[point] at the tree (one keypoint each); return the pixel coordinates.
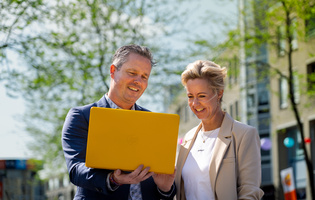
(304, 10)
(65, 50)
(278, 29)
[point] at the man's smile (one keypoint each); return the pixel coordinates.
(133, 89)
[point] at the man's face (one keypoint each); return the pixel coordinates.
(130, 81)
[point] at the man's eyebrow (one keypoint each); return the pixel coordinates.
(131, 70)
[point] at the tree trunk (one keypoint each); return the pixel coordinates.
(309, 164)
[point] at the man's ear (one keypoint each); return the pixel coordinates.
(112, 70)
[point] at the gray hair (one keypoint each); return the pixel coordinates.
(121, 55)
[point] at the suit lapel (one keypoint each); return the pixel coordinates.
(102, 103)
(221, 145)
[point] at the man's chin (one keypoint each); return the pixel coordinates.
(132, 99)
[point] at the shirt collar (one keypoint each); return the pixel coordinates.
(113, 105)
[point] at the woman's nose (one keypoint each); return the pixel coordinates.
(195, 101)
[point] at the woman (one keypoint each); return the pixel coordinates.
(220, 158)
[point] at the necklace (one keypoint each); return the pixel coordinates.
(203, 139)
(207, 134)
(201, 148)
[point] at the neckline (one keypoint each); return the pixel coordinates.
(205, 135)
(208, 133)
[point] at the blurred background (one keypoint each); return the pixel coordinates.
(55, 55)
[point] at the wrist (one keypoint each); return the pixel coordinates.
(165, 188)
(168, 193)
(113, 181)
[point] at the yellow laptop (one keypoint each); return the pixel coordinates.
(125, 139)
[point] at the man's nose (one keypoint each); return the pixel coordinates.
(137, 80)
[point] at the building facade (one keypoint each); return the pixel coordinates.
(18, 181)
(301, 48)
(60, 188)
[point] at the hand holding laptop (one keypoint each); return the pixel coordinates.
(163, 181)
(134, 177)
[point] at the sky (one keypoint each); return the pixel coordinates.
(13, 138)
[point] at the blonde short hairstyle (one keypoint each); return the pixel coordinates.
(208, 70)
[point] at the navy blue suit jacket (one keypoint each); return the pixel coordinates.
(91, 183)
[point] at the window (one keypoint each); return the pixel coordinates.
(283, 89)
(235, 68)
(295, 156)
(230, 74)
(310, 25)
(263, 96)
(296, 151)
(281, 41)
(282, 36)
(251, 100)
(296, 85)
(233, 72)
(311, 77)
(294, 41)
(65, 180)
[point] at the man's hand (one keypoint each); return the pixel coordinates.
(134, 177)
(164, 181)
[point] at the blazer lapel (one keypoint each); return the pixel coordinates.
(185, 151)
(183, 154)
(102, 103)
(221, 145)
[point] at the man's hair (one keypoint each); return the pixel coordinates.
(121, 55)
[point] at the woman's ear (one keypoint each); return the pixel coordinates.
(220, 94)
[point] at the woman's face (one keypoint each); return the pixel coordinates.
(202, 100)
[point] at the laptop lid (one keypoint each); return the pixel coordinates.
(125, 139)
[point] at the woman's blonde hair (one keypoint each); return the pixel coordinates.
(207, 70)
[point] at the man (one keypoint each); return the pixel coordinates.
(130, 71)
